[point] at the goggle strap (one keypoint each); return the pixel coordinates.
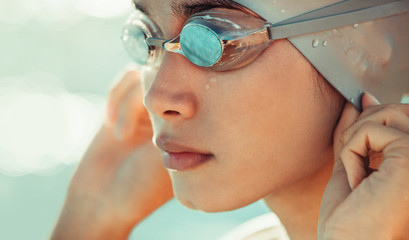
(156, 42)
(342, 7)
(300, 25)
(172, 45)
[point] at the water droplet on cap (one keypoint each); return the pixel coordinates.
(315, 43)
(356, 25)
(325, 43)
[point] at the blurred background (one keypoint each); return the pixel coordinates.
(57, 61)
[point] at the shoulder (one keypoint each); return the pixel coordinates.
(264, 227)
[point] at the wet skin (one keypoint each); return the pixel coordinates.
(266, 126)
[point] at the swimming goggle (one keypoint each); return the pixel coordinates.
(217, 39)
(226, 39)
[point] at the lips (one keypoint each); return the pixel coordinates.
(180, 157)
(184, 161)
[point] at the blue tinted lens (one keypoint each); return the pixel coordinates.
(133, 38)
(200, 45)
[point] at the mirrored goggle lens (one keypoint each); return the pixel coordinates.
(137, 28)
(201, 45)
(133, 38)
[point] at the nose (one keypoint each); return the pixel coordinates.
(171, 95)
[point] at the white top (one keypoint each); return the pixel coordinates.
(264, 227)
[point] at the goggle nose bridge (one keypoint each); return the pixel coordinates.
(172, 45)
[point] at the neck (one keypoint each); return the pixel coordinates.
(298, 205)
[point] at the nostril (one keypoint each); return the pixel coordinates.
(171, 113)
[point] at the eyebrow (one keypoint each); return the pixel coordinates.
(188, 7)
(140, 7)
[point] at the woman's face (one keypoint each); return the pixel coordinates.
(236, 136)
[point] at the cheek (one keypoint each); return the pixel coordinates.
(148, 75)
(260, 147)
(267, 128)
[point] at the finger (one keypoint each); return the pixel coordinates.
(370, 137)
(370, 104)
(397, 160)
(392, 115)
(139, 117)
(338, 188)
(120, 89)
(129, 108)
(369, 100)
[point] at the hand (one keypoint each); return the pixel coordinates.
(126, 115)
(121, 179)
(357, 204)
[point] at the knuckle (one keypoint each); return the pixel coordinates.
(372, 108)
(367, 126)
(400, 160)
(345, 136)
(393, 106)
(386, 112)
(343, 153)
(398, 171)
(392, 110)
(369, 111)
(398, 157)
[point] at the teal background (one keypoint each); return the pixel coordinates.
(57, 63)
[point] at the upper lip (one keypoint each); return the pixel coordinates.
(173, 146)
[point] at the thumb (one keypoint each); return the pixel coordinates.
(338, 187)
(348, 117)
(369, 100)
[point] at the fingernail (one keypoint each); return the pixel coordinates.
(373, 99)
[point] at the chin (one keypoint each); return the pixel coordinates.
(210, 202)
(209, 206)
